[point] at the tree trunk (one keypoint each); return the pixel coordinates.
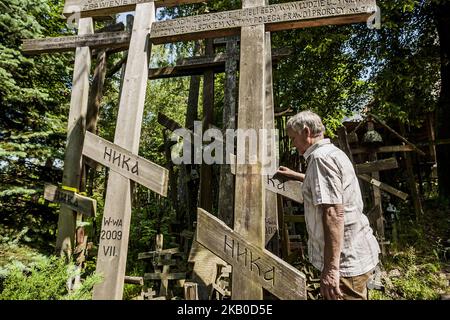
(442, 16)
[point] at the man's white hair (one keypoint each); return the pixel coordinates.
(306, 119)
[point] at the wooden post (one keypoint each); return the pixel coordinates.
(412, 180)
(112, 254)
(271, 210)
(377, 197)
(206, 194)
(190, 291)
(191, 185)
(75, 136)
(250, 193)
(226, 186)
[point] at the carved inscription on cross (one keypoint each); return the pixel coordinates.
(127, 164)
(71, 199)
(254, 263)
(276, 17)
(93, 8)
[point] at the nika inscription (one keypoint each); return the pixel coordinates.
(121, 160)
(246, 258)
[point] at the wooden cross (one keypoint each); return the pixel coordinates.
(76, 202)
(257, 265)
(162, 259)
(128, 129)
(127, 164)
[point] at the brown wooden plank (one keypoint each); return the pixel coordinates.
(290, 189)
(385, 149)
(74, 201)
(198, 65)
(134, 280)
(226, 184)
(204, 271)
(94, 8)
(383, 186)
(249, 191)
(153, 254)
(276, 17)
(163, 276)
(127, 164)
(112, 253)
(271, 207)
(190, 291)
(397, 134)
(294, 218)
(254, 263)
(120, 39)
(168, 123)
(75, 134)
(378, 165)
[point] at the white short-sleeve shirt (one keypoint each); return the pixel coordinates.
(330, 179)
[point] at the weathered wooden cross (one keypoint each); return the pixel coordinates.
(71, 199)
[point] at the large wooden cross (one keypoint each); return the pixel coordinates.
(276, 17)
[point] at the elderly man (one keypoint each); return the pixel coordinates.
(341, 243)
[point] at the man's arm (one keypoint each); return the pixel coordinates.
(291, 174)
(333, 227)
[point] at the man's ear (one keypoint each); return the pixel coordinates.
(307, 131)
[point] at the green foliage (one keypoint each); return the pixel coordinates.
(412, 276)
(34, 93)
(44, 280)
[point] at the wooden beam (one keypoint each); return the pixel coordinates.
(294, 218)
(164, 276)
(155, 254)
(93, 8)
(397, 134)
(271, 207)
(120, 39)
(198, 65)
(254, 263)
(290, 189)
(127, 164)
(75, 134)
(385, 149)
(276, 17)
(72, 200)
(112, 253)
(383, 186)
(378, 165)
(226, 184)
(134, 280)
(167, 122)
(249, 191)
